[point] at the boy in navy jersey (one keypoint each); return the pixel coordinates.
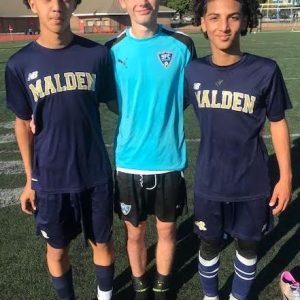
(60, 80)
(232, 94)
(150, 147)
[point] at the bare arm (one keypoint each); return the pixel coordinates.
(282, 190)
(24, 138)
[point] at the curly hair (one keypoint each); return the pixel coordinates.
(249, 10)
(28, 6)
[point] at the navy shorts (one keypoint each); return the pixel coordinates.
(61, 217)
(247, 220)
(162, 195)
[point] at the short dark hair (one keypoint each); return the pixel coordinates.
(28, 6)
(249, 10)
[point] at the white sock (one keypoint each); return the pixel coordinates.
(210, 298)
(231, 297)
(104, 295)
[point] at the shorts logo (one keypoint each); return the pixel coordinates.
(201, 225)
(264, 228)
(32, 75)
(44, 234)
(165, 58)
(125, 208)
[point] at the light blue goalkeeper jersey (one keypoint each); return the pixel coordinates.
(150, 83)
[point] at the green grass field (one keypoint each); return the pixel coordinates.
(23, 274)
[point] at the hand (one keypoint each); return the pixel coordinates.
(27, 199)
(281, 197)
(32, 125)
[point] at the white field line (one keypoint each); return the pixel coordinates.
(11, 167)
(268, 136)
(9, 196)
(8, 125)
(7, 138)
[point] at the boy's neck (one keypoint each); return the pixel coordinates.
(54, 40)
(223, 59)
(141, 31)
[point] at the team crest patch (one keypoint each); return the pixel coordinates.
(125, 208)
(201, 225)
(165, 58)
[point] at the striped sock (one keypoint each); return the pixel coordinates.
(244, 274)
(208, 271)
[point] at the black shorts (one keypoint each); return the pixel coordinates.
(162, 195)
(61, 217)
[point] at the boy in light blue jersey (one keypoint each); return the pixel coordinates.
(150, 153)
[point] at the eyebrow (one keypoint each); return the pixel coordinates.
(217, 14)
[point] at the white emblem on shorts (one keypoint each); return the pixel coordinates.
(44, 234)
(201, 225)
(125, 208)
(264, 228)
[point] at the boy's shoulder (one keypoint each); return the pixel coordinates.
(264, 61)
(21, 56)
(89, 45)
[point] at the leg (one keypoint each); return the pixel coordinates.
(136, 248)
(165, 246)
(164, 257)
(60, 272)
(244, 267)
(103, 258)
(137, 254)
(208, 267)
(209, 226)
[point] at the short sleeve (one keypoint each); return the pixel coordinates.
(277, 98)
(108, 87)
(17, 99)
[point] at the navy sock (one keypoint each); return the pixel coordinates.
(63, 286)
(244, 274)
(105, 277)
(208, 271)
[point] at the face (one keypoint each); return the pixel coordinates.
(141, 12)
(223, 23)
(54, 15)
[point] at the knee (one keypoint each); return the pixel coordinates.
(209, 249)
(103, 248)
(166, 231)
(247, 249)
(135, 234)
(57, 255)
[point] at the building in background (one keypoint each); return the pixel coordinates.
(92, 16)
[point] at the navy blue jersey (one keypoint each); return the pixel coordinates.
(232, 104)
(63, 88)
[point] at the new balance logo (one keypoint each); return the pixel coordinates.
(197, 86)
(32, 75)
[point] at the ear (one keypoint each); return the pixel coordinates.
(122, 4)
(32, 6)
(203, 24)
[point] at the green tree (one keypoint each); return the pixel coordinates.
(181, 6)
